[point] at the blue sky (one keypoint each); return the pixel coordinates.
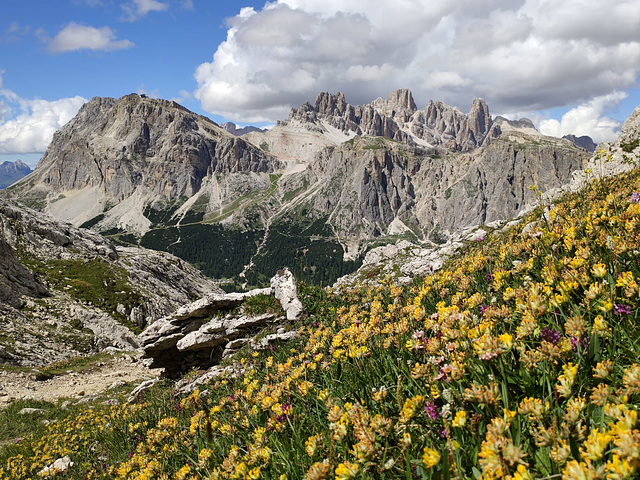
(571, 66)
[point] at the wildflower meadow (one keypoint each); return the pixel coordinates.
(518, 360)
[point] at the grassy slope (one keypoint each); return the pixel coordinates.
(517, 360)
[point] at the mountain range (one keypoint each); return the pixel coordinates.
(313, 193)
(11, 172)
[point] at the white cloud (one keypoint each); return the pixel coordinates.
(27, 126)
(82, 37)
(526, 55)
(587, 119)
(137, 9)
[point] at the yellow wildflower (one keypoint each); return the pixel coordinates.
(430, 457)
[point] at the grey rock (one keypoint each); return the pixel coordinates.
(117, 384)
(31, 411)
(162, 281)
(284, 288)
(202, 333)
(136, 393)
(274, 338)
(584, 141)
(11, 172)
(59, 466)
(154, 150)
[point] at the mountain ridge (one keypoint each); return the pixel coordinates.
(314, 193)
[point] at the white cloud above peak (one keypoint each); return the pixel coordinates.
(76, 37)
(525, 56)
(587, 119)
(27, 126)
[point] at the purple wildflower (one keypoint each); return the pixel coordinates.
(550, 335)
(635, 197)
(579, 345)
(483, 308)
(443, 432)
(621, 309)
(431, 409)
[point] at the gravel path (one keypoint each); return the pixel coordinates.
(73, 385)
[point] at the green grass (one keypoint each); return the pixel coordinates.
(630, 146)
(74, 364)
(95, 281)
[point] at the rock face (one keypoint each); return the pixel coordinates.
(199, 334)
(433, 192)
(67, 291)
(11, 172)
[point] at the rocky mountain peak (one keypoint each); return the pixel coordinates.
(154, 149)
(399, 119)
(403, 99)
(479, 119)
(330, 105)
(583, 141)
(11, 172)
(631, 128)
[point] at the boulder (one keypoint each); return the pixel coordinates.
(284, 288)
(60, 465)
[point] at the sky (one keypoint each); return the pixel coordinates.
(571, 66)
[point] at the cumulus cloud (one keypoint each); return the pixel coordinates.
(587, 119)
(137, 9)
(82, 37)
(527, 55)
(27, 126)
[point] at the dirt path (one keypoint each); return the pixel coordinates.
(23, 385)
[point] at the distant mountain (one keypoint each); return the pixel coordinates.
(11, 172)
(584, 141)
(233, 129)
(313, 193)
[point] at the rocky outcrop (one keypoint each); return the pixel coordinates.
(15, 279)
(67, 291)
(368, 186)
(11, 172)
(204, 332)
(187, 339)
